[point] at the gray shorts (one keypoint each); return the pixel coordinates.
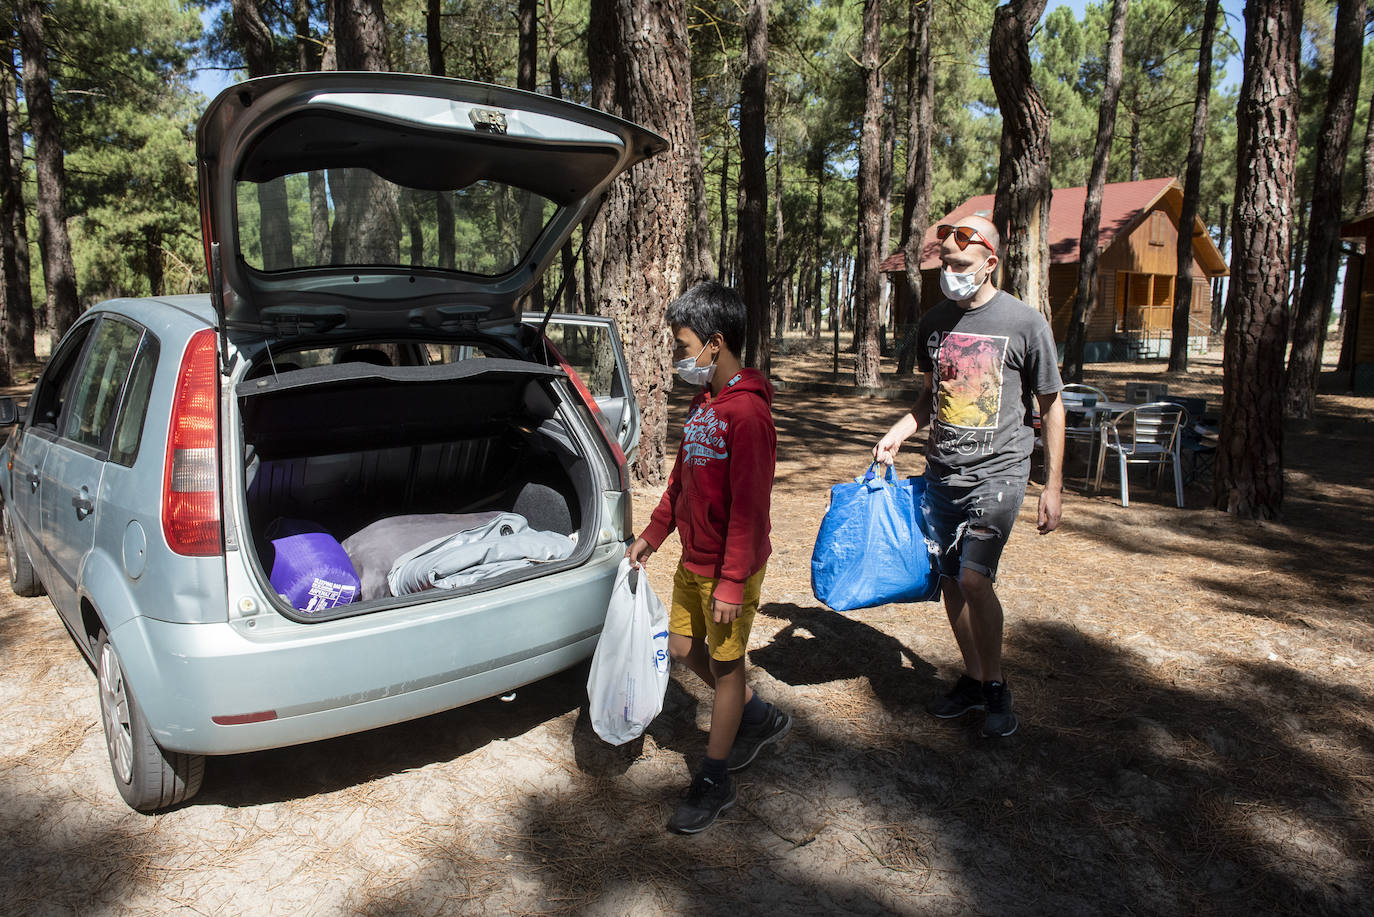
(971, 524)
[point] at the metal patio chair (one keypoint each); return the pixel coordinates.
(1145, 435)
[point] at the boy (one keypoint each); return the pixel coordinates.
(717, 498)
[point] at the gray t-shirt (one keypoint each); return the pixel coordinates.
(987, 362)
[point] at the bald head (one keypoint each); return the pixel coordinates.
(985, 229)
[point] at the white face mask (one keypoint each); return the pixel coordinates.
(960, 287)
(691, 373)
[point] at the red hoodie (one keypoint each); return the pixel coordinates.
(719, 490)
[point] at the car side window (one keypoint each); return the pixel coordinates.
(129, 427)
(51, 394)
(89, 417)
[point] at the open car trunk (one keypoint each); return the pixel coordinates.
(384, 459)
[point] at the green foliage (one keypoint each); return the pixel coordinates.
(127, 119)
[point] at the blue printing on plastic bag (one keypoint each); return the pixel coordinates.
(872, 547)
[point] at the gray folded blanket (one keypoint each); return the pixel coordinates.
(374, 548)
(498, 546)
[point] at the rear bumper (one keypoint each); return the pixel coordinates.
(355, 674)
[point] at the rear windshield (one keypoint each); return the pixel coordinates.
(352, 216)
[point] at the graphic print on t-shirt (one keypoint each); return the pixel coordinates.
(968, 379)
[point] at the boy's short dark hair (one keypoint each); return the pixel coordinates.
(710, 308)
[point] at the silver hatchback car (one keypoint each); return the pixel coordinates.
(358, 388)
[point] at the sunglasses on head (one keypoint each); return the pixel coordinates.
(963, 236)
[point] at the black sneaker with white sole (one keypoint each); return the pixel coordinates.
(753, 738)
(1000, 719)
(966, 695)
(706, 799)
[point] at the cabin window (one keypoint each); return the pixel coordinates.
(1157, 228)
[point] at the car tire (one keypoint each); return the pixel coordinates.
(23, 579)
(148, 777)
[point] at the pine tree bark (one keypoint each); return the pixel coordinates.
(1218, 301)
(1324, 221)
(274, 230)
(1085, 299)
(866, 346)
(1248, 474)
(753, 220)
(19, 318)
(916, 205)
(1192, 190)
(726, 269)
(527, 78)
(59, 271)
(818, 221)
(367, 222)
(18, 305)
(1354, 265)
(641, 70)
(1021, 211)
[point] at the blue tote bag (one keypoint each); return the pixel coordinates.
(872, 548)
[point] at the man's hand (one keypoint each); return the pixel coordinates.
(639, 552)
(723, 612)
(886, 450)
(1049, 510)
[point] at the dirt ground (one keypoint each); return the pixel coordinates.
(1196, 737)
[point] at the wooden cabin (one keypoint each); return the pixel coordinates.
(1136, 268)
(1360, 322)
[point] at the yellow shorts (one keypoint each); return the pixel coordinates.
(690, 615)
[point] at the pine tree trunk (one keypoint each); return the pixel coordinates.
(866, 346)
(818, 222)
(1354, 266)
(753, 221)
(1192, 189)
(781, 275)
(1324, 222)
(12, 301)
(1085, 299)
(59, 272)
(1021, 210)
(641, 70)
(567, 258)
(916, 208)
(19, 314)
(527, 78)
(1248, 476)
(725, 269)
(434, 39)
(1218, 301)
(368, 230)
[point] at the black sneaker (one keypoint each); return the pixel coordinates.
(966, 695)
(704, 801)
(1000, 721)
(751, 738)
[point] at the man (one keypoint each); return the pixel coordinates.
(983, 354)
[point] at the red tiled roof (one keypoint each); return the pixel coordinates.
(1122, 204)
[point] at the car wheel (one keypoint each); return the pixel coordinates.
(148, 777)
(23, 579)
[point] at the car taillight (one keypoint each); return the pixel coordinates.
(190, 482)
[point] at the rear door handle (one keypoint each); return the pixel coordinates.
(83, 504)
(33, 479)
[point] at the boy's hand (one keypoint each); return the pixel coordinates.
(723, 612)
(639, 552)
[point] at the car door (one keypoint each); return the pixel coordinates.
(36, 440)
(591, 345)
(76, 459)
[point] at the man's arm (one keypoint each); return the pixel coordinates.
(906, 425)
(1052, 439)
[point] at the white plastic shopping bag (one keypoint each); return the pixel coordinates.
(630, 668)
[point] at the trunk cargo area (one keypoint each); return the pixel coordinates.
(341, 448)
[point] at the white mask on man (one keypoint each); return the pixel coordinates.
(960, 287)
